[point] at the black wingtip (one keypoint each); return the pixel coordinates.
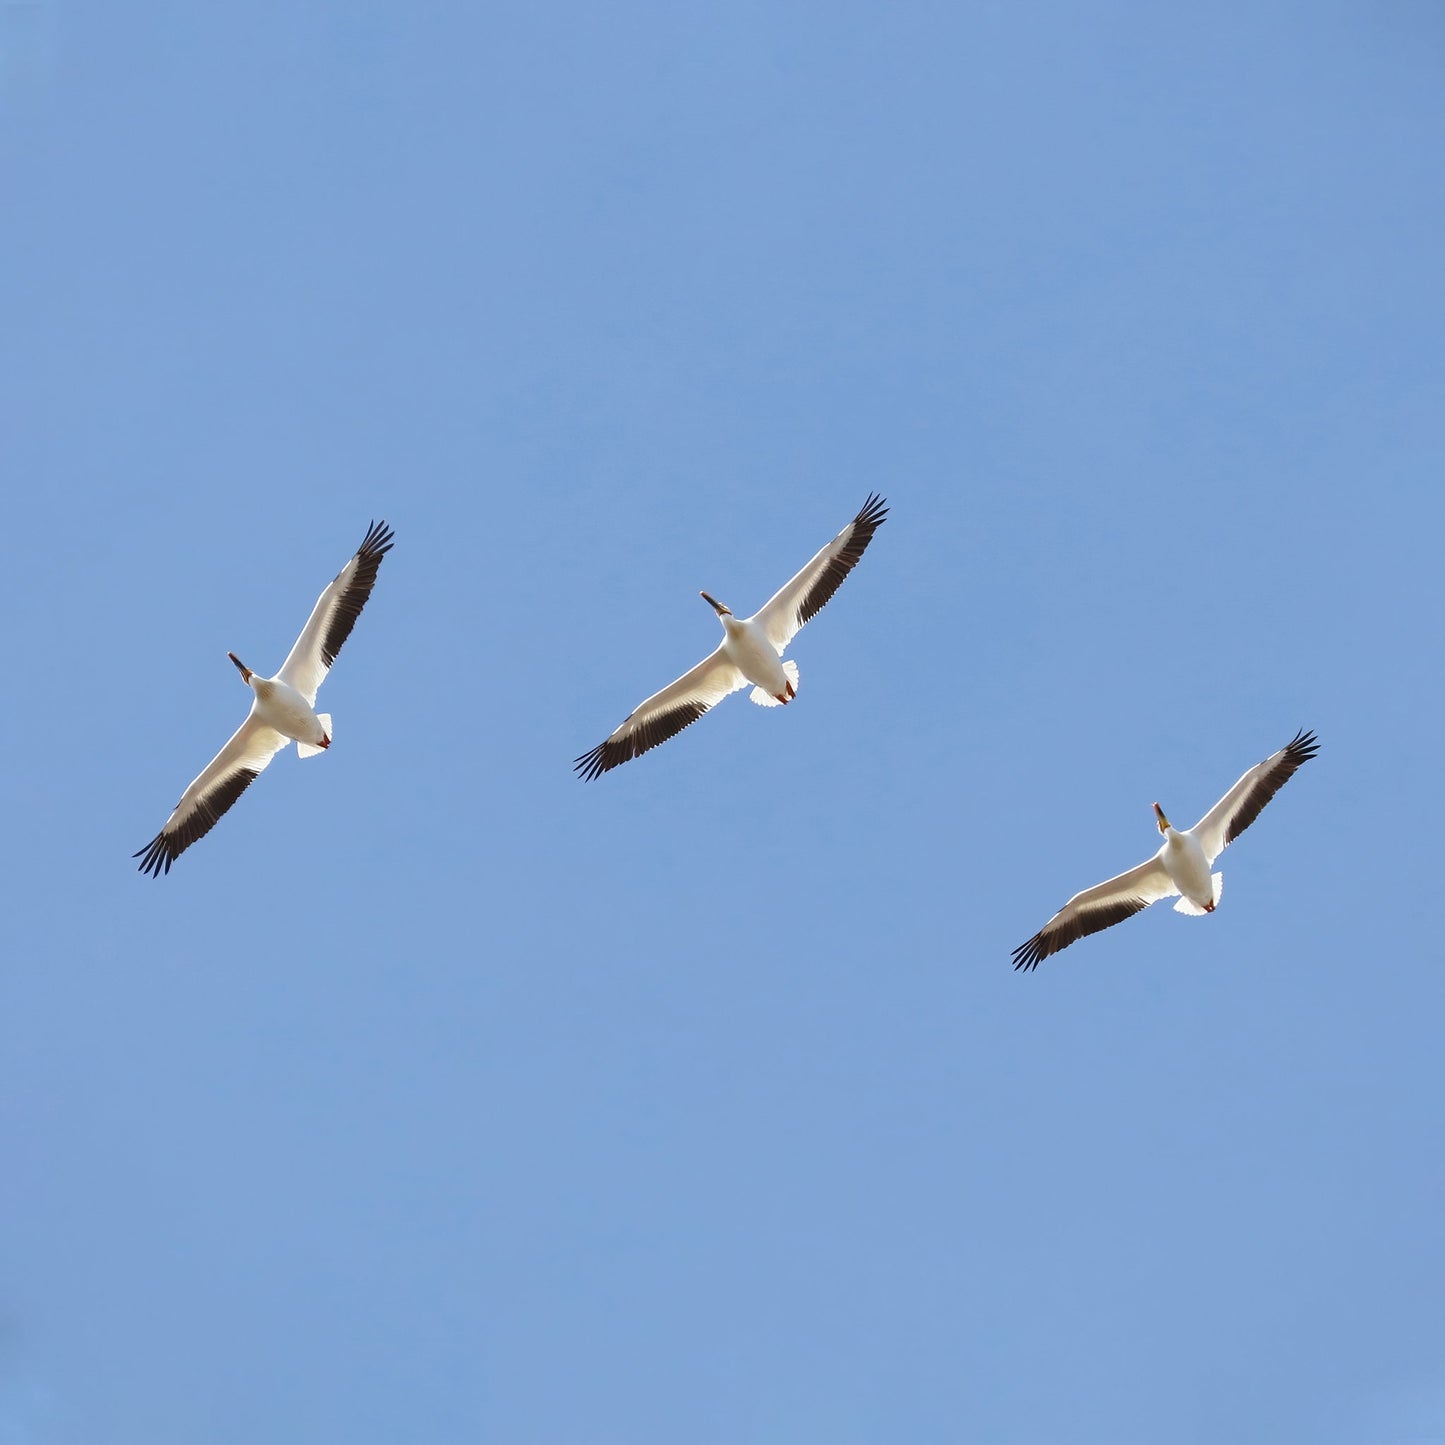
(1294, 754)
(591, 764)
(1303, 746)
(156, 857)
(374, 546)
(1058, 933)
(179, 834)
(614, 751)
(1027, 956)
(861, 529)
(378, 541)
(873, 511)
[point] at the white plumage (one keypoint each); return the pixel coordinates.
(282, 709)
(1180, 867)
(751, 651)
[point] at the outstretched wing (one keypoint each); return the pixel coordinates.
(222, 781)
(1244, 802)
(335, 615)
(664, 714)
(1097, 908)
(785, 612)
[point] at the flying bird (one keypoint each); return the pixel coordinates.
(751, 652)
(1180, 867)
(281, 709)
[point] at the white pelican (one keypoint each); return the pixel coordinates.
(281, 709)
(750, 652)
(1180, 868)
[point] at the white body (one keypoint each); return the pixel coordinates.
(1185, 862)
(277, 705)
(749, 649)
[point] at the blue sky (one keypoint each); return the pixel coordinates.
(439, 1096)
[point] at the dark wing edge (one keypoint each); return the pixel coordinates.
(347, 607)
(1056, 935)
(861, 529)
(1299, 750)
(173, 840)
(618, 750)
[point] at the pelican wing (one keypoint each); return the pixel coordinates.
(807, 594)
(1244, 802)
(335, 615)
(1097, 908)
(223, 780)
(664, 714)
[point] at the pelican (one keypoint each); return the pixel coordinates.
(751, 651)
(1180, 867)
(281, 709)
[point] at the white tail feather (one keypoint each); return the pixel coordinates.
(1193, 909)
(766, 699)
(306, 750)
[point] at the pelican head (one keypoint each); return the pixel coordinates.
(1163, 821)
(716, 605)
(245, 671)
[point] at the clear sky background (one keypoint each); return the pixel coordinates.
(438, 1096)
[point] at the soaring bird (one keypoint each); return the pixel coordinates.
(751, 651)
(281, 709)
(1180, 867)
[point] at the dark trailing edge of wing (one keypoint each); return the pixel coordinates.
(618, 750)
(869, 519)
(1054, 936)
(376, 544)
(1300, 749)
(170, 843)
